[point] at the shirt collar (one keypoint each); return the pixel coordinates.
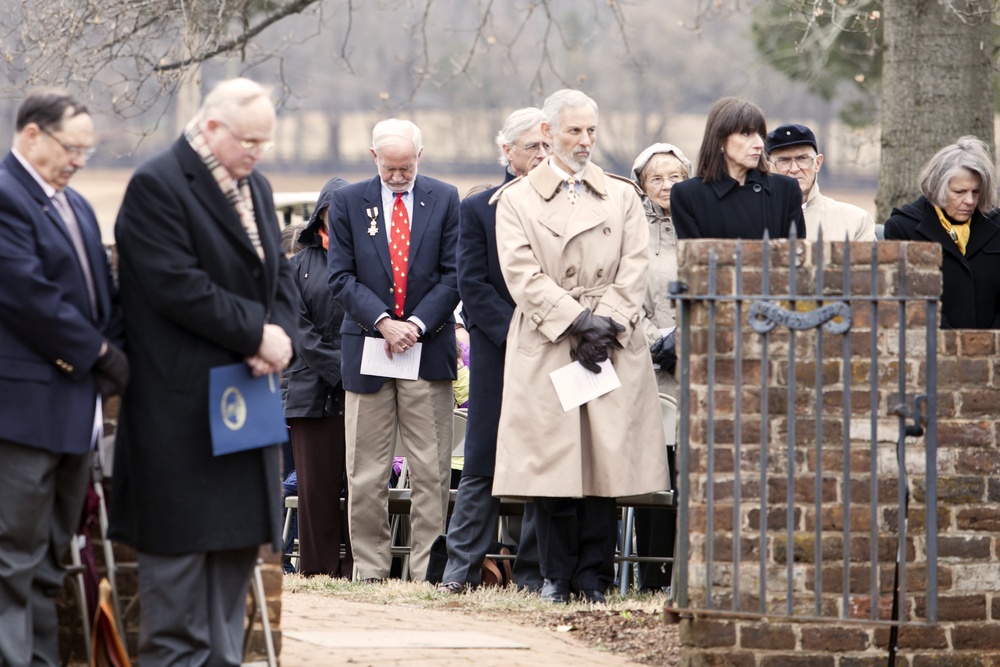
(47, 187)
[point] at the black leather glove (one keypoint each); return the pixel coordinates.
(664, 352)
(111, 371)
(596, 333)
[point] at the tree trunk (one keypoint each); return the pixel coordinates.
(937, 85)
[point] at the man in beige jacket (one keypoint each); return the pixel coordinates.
(792, 151)
(572, 242)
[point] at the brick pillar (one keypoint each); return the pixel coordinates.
(968, 464)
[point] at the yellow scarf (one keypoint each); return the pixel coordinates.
(958, 233)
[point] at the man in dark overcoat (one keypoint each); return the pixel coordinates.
(58, 332)
(487, 308)
(392, 268)
(204, 283)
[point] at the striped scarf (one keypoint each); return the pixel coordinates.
(238, 193)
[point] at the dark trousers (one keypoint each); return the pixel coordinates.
(41, 500)
(576, 540)
(320, 465)
(473, 529)
(193, 607)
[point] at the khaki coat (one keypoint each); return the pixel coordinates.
(559, 258)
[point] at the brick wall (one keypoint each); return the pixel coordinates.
(968, 466)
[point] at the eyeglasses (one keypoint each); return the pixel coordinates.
(785, 163)
(81, 151)
(657, 181)
(534, 146)
(248, 144)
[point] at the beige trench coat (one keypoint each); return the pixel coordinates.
(559, 258)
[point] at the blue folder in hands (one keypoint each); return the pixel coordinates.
(244, 411)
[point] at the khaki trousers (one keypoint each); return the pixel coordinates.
(423, 413)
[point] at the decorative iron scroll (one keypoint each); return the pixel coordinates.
(764, 316)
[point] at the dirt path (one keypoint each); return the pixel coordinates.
(322, 630)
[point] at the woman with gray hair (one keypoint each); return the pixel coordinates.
(957, 209)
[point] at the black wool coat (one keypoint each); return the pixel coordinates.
(194, 295)
(728, 210)
(970, 298)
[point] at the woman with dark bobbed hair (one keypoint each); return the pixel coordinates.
(733, 195)
(957, 209)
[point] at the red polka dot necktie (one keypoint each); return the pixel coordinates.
(399, 250)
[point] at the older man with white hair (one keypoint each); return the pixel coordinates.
(572, 241)
(204, 283)
(393, 269)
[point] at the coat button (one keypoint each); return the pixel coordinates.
(607, 231)
(570, 272)
(756, 187)
(600, 273)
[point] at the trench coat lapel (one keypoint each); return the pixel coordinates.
(559, 216)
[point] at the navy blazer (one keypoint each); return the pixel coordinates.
(361, 275)
(488, 309)
(49, 335)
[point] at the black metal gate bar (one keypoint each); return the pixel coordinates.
(679, 576)
(846, 401)
(818, 412)
(790, 434)
(930, 462)
(902, 489)
(765, 290)
(873, 445)
(737, 429)
(710, 486)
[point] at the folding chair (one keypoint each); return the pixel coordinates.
(668, 411)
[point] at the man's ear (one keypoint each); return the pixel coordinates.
(547, 130)
(819, 161)
(374, 155)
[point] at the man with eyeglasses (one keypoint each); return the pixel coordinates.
(60, 350)
(487, 308)
(791, 150)
(204, 283)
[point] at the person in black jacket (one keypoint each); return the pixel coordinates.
(957, 210)
(314, 404)
(733, 195)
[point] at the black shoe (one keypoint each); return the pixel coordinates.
(451, 587)
(555, 590)
(593, 596)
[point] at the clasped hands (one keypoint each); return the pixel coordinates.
(597, 333)
(399, 336)
(274, 353)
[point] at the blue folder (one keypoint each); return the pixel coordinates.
(244, 411)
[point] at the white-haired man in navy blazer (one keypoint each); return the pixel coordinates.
(393, 269)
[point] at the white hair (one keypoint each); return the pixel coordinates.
(518, 123)
(393, 128)
(563, 99)
(228, 98)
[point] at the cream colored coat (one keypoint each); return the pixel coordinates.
(559, 258)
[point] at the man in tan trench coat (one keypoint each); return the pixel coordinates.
(572, 242)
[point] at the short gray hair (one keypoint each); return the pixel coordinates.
(562, 99)
(393, 128)
(968, 153)
(229, 97)
(518, 123)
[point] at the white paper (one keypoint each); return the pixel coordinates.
(575, 385)
(403, 365)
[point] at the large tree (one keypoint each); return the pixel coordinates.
(937, 85)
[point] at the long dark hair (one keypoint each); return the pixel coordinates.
(728, 116)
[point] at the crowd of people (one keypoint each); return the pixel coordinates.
(560, 270)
